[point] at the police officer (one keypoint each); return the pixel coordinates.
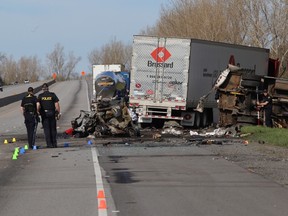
(48, 107)
(266, 103)
(29, 110)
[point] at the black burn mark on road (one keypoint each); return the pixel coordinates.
(75, 99)
(122, 175)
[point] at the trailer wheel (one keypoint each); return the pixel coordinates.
(197, 120)
(187, 116)
(204, 119)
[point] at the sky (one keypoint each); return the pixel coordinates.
(33, 27)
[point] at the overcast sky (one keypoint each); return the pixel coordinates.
(33, 27)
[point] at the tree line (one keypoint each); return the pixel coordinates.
(258, 23)
(32, 69)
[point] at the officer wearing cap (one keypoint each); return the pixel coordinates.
(29, 110)
(48, 106)
(266, 104)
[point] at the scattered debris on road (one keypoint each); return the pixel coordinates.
(110, 117)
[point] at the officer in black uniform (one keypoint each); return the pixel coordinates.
(48, 107)
(266, 103)
(28, 107)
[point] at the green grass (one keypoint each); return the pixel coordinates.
(272, 136)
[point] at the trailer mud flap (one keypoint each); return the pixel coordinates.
(188, 118)
(143, 119)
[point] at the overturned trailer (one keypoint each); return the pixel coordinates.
(278, 88)
(237, 99)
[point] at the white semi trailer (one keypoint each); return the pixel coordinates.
(170, 75)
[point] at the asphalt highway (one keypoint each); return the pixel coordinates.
(122, 176)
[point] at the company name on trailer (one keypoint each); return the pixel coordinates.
(160, 64)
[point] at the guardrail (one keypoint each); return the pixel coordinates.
(17, 97)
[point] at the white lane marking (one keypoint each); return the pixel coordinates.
(88, 102)
(99, 181)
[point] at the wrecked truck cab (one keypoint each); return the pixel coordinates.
(110, 117)
(84, 124)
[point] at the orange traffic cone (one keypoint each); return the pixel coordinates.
(101, 194)
(102, 204)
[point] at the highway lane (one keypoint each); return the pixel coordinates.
(184, 181)
(48, 181)
(72, 96)
(137, 181)
(138, 177)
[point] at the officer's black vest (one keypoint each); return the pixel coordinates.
(30, 104)
(47, 100)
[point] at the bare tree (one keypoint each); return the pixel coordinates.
(216, 20)
(71, 64)
(2, 59)
(17, 71)
(95, 57)
(276, 17)
(56, 60)
(59, 64)
(260, 23)
(258, 29)
(29, 68)
(9, 70)
(114, 52)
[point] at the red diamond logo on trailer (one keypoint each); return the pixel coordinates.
(160, 54)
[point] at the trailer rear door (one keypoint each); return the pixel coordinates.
(159, 72)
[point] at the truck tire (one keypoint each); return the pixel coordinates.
(204, 119)
(197, 121)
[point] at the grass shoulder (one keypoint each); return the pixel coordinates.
(261, 134)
